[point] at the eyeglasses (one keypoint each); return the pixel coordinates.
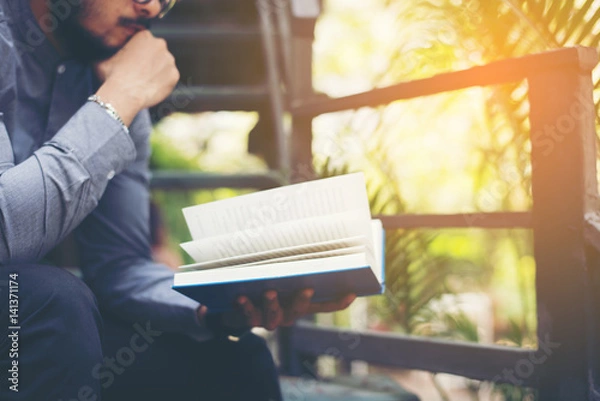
(165, 5)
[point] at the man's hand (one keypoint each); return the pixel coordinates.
(271, 315)
(140, 75)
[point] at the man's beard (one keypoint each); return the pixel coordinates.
(83, 45)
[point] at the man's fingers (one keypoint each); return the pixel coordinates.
(251, 314)
(272, 313)
(334, 306)
(299, 308)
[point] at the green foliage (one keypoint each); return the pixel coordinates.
(511, 28)
(166, 156)
(418, 271)
(515, 393)
(170, 204)
(209, 142)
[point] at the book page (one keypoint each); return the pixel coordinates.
(285, 236)
(267, 208)
(351, 250)
(309, 254)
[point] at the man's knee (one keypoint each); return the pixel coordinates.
(58, 328)
(52, 294)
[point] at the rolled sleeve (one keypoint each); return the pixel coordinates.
(45, 197)
(107, 153)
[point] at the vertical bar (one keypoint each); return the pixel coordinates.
(285, 38)
(299, 86)
(302, 167)
(288, 359)
(563, 185)
(293, 362)
(265, 12)
(301, 83)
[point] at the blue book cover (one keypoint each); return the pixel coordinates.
(317, 234)
(331, 278)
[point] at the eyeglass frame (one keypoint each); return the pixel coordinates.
(169, 4)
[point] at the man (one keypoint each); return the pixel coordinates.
(76, 78)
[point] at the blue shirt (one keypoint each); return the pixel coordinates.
(67, 166)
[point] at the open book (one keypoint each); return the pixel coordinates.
(318, 234)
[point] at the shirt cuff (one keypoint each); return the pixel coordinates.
(98, 141)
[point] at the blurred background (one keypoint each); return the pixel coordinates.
(459, 152)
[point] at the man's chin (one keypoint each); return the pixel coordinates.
(105, 51)
(93, 53)
(84, 46)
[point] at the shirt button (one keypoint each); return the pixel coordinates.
(61, 69)
(111, 174)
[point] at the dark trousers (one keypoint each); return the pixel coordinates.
(63, 349)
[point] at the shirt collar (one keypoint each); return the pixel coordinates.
(33, 38)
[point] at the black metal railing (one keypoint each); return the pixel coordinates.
(564, 221)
